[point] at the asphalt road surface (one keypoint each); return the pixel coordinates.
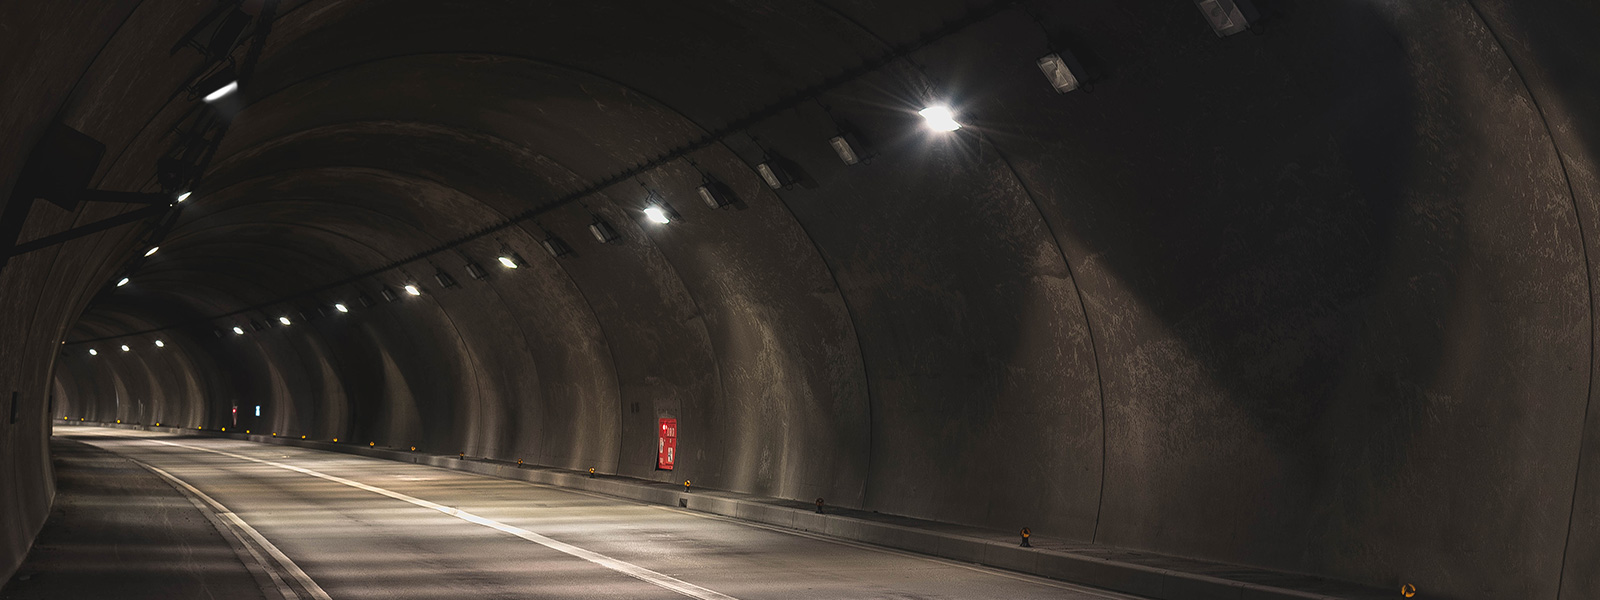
(312, 524)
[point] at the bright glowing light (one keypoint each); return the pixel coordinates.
(655, 214)
(152, 250)
(123, 282)
(284, 320)
(411, 289)
(125, 348)
(233, 86)
(341, 308)
(509, 264)
(238, 331)
(184, 196)
(160, 344)
(940, 118)
(93, 352)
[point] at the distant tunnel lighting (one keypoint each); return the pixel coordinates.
(258, 412)
(152, 250)
(388, 294)
(93, 352)
(123, 282)
(841, 146)
(476, 271)
(231, 87)
(341, 308)
(774, 174)
(125, 348)
(940, 118)
(411, 289)
(238, 330)
(555, 246)
(184, 196)
(160, 344)
(657, 215)
(284, 320)
(1060, 75)
(507, 262)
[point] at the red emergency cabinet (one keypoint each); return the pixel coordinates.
(668, 450)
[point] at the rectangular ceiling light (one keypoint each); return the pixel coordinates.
(714, 194)
(1058, 72)
(842, 147)
(555, 246)
(1227, 17)
(774, 174)
(603, 231)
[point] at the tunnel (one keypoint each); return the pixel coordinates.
(1296, 290)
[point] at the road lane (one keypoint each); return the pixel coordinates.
(368, 528)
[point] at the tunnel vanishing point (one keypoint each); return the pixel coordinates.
(1300, 287)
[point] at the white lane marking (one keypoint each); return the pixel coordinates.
(294, 570)
(626, 568)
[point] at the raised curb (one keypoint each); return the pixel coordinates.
(1118, 576)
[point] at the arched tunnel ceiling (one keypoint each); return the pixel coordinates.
(1314, 297)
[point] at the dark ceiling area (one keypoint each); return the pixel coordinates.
(1313, 297)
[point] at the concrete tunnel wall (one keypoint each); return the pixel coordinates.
(1314, 299)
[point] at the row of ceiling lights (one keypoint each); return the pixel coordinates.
(1060, 69)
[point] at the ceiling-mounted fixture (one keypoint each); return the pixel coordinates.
(940, 118)
(845, 145)
(444, 279)
(413, 290)
(184, 196)
(476, 271)
(218, 86)
(1058, 69)
(714, 194)
(238, 330)
(123, 282)
(341, 308)
(284, 320)
(555, 246)
(774, 174)
(125, 348)
(152, 250)
(366, 301)
(658, 211)
(603, 231)
(508, 262)
(257, 325)
(1228, 17)
(388, 294)
(93, 352)
(160, 344)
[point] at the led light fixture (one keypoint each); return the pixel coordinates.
(221, 92)
(365, 300)
(341, 308)
(1227, 17)
(184, 196)
(714, 194)
(476, 271)
(1058, 71)
(444, 279)
(412, 289)
(940, 118)
(555, 246)
(843, 147)
(774, 174)
(658, 211)
(160, 344)
(284, 320)
(93, 352)
(125, 348)
(603, 231)
(123, 282)
(152, 250)
(656, 215)
(508, 262)
(388, 294)
(238, 330)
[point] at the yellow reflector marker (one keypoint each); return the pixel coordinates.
(1408, 590)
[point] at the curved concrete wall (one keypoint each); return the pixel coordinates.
(1315, 298)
